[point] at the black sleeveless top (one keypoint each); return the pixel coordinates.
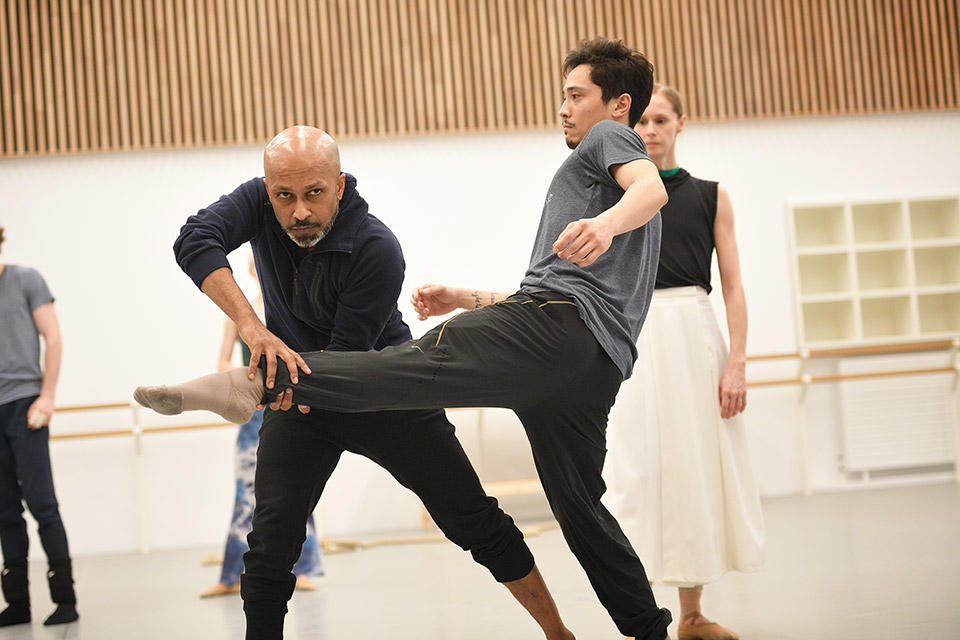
(686, 243)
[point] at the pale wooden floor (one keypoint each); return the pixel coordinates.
(877, 565)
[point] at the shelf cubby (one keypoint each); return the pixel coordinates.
(886, 317)
(878, 222)
(937, 265)
(824, 273)
(939, 312)
(935, 218)
(882, 269)
(829, 321)
(820, 226)
(877, 270)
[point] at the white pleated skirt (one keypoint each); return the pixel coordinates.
(679, 477)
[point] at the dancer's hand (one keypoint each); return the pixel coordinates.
(264, 343)
(434, 300)
(585, 240)
(40, 412)
(733, 391)
(284, 401)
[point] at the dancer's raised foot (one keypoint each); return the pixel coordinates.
(230, 394)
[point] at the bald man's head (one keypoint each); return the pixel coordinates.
(298, 146)
(301, 168)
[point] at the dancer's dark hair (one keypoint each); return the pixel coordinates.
(616, 69)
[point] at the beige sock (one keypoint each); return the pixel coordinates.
(230, 394)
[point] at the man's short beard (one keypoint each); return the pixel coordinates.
(309, 243)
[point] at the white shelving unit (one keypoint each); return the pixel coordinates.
(869, 272)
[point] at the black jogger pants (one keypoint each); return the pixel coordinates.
(533, 354)
(298, 453)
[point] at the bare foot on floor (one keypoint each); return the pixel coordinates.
(304, 583)
(221, 590)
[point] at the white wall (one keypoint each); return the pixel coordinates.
(465, 207)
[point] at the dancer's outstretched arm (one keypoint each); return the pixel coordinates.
(438, 299)
(585, 240)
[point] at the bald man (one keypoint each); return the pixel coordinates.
(331, 274)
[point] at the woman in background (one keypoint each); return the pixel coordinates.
(248, 437)
(678, 472)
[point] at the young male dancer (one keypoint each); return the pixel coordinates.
(555, 352)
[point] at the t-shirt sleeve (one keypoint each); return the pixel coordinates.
(608, 144)
(35, 289)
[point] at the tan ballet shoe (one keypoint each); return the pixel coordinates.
(221, 590)
(304, 583)
(706, 631)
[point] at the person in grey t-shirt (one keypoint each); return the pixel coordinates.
(26, 406)
(555, 352)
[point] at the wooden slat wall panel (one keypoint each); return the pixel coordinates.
(110, 75)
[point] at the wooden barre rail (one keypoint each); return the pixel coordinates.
(130, 432)
(92, 407)
(851, 376)
(900, 347)
(774, 356)
(759, 383)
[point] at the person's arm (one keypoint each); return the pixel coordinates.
(733, 386)
(585, 240)
(45, 319)
(226, 345)
(201, 251)
(224, 291)
(437, 299)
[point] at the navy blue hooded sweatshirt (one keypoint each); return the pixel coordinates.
(342, 296)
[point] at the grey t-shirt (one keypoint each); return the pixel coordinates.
(613, 294)
(22, 290)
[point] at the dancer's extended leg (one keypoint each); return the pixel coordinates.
(451, 491)
(504, 355)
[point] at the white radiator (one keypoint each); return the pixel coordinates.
(896, 422)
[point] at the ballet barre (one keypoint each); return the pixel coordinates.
(805, 380)
(865, 350)
(849, 376)
(531, 486)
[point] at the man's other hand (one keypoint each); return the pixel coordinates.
(434, 300)
(284, 401)
(40, 412)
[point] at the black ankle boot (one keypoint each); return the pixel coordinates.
(60, 579)
(265, 620)
(17, 592)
